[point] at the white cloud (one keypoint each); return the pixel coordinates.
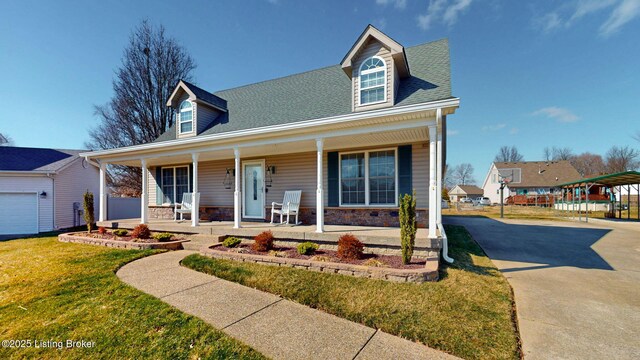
(494, 127)
(558, 113)
(381, 23)
(452, 132)
(626, 11)
(586, 7)
(445, 11)
(514, 131)
(549, 22)
(398, 4)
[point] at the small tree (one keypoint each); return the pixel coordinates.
(89, 218)
(408, 226)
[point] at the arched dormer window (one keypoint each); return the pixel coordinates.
(373, 81)
(186, 117)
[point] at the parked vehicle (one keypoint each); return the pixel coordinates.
(466, 200)
(482, 201)
(445, 204)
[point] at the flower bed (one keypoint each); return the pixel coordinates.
(108, 239)
(388, 267)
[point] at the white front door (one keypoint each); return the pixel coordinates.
(253, 189)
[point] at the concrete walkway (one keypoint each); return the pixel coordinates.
(576, 285)
(276, 327)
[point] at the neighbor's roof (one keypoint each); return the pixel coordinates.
(541, 173)
(35, 159)
(325, 92)
(470, 189)
(615, 179)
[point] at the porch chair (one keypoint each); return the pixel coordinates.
(289, 206)
(184, 207)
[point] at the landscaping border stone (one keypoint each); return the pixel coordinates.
(428, 273)
(74, 238)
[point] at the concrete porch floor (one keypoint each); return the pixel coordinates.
(369, 235)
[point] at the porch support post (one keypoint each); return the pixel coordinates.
(195, 210)
(439, 169)
(102, 213)
(237, 195)
(144, 201)
(319, 190)
(433, 186)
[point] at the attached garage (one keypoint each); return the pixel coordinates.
(18, 213)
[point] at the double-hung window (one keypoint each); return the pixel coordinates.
(373, 81)
(175, 182)
(186, 117)
(368, 178)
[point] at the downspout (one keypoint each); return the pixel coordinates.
(443, 234)
(445, 245)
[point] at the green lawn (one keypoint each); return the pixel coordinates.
(467, 313)
(52, 291)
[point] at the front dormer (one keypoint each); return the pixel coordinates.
(376, 64)
(195, 109)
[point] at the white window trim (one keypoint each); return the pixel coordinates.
(365, 72)
(175, 187)
(180, 122)
(367, 203)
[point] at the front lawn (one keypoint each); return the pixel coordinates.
(467, 313)
(52, 291)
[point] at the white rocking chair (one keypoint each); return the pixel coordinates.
(185, 206)
(289, 206)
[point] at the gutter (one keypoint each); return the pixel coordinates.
(445, 244)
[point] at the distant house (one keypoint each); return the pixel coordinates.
(527, 178)
(460, 191)
(39, 187)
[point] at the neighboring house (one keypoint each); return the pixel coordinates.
(39, 187)
(460, 191)
(527, 178)
(353, 137)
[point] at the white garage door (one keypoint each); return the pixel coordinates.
(18, 213)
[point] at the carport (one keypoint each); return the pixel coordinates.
(586, 194)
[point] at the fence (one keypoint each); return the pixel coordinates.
(123, 208)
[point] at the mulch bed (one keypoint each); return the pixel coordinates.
(109, 236)
(390, 261)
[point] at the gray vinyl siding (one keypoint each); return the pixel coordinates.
(70, 186)
(210, 183)
(373, 48)
(151, 188)
(420, 174)
(206, 116)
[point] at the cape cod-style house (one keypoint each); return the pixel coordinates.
(352, 137)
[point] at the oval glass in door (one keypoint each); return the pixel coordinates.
(253, 191)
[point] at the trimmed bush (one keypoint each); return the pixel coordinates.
(231, 242)
(102, 230)
(349, 247)
(89, 218)
(141, 232)
(307, 248)
(263, 241)
(120, 232)
(162, 236)
(408, 226)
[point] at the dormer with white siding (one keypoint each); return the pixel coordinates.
(376, 64)
(195, 109)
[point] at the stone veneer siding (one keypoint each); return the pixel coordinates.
(387, 217)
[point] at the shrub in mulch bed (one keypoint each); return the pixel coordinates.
(141, 232)
(125, 235)
(231, 242)
(349, 247)
(263, 242)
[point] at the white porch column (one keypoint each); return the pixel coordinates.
(102, 213)
(195, 210)
(237, 194)
(433, 186)
(439, 165)
(319, 190)
(144, 201)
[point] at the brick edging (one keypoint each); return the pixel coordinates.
(169, 245)
(428, 273)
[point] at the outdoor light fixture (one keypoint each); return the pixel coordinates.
(227, 178)
(43, 194)
(270, 171)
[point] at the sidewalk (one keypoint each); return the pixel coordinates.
(278, 328)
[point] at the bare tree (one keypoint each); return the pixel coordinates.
(463, 174)
(547, 154)
(152, 65)
(588, 164)
(622, 158)
(558, 153)
(6, 140)
(508, 154)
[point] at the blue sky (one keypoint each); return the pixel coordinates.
(530, 74)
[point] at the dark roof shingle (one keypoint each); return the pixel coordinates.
(541, 173)
(29, 159)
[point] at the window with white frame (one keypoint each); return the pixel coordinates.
(368, 178)
(186, 117)
(373, 81)
(175, 182)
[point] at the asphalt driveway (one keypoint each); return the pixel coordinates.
(576, 286)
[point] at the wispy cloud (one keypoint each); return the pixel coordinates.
(453, 132)
(494, 127)
(398, 4)
(557, 113)
(514, 131)
(445, 11)
(626, 11)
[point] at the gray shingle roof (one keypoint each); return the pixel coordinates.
(206, 96)
(541, 173)
(325, 92)
(35, 159)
